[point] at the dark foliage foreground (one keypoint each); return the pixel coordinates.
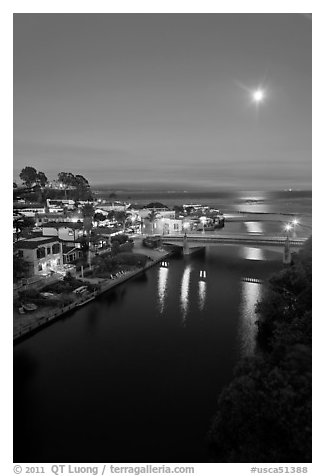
(264, 415)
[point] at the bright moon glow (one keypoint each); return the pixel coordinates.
(258, 95)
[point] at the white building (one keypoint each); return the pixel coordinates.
(162, 226)
(44, 255)
(65, 231)
(56, 205)
(29, 210)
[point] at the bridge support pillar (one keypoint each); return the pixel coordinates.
(286, 252)
(186, 248)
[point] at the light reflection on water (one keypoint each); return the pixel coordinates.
(250, 294)
(162, 287)
(185, 287)
(254, 227)
(256, 254)
(202, 294)
(254, 203)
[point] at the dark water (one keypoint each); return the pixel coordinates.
(135, 376)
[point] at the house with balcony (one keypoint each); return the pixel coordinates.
(43, 255)
(71, 254)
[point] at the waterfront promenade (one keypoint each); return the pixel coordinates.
(29, 323)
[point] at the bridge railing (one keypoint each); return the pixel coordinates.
(235, 239)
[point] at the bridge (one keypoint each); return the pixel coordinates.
(192, 241)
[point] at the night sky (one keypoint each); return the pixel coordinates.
(142, 98)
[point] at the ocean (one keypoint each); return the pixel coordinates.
(298, 203)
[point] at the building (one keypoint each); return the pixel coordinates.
(162, 226)
(161, 212)
(55, 205)
(68, 232)
(28, 209)
(43, 255)
(115, 206)
(44, 218)
(71, 254)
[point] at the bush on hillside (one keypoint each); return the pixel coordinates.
(264, 415)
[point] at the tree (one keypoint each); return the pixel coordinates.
(23, 225)
(84, 245)
(104, 264)
(83, 188)
(28, 175)
(41, 179)
(20, 267)
(115, 248)
(79, 183)
(289, 296)
(67, 179)
(111, 215)
(120, 239)
(99, 217)
(264, 415)
(155, 205)
(15, 185)
(152, 217)
(121, 218)
(178, 209)
(88, 214)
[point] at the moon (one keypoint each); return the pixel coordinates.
(258, 96)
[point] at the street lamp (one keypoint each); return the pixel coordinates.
(288, 228)
(295, 222)
(203, 220)
(186, 226)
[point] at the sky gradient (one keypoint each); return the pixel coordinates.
(134, 98)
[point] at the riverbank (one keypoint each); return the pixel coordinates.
(27, 324)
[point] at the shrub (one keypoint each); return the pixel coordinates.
(29, 294)
(65, 286)
(120, 239)
(128, 246)
(132, 259)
